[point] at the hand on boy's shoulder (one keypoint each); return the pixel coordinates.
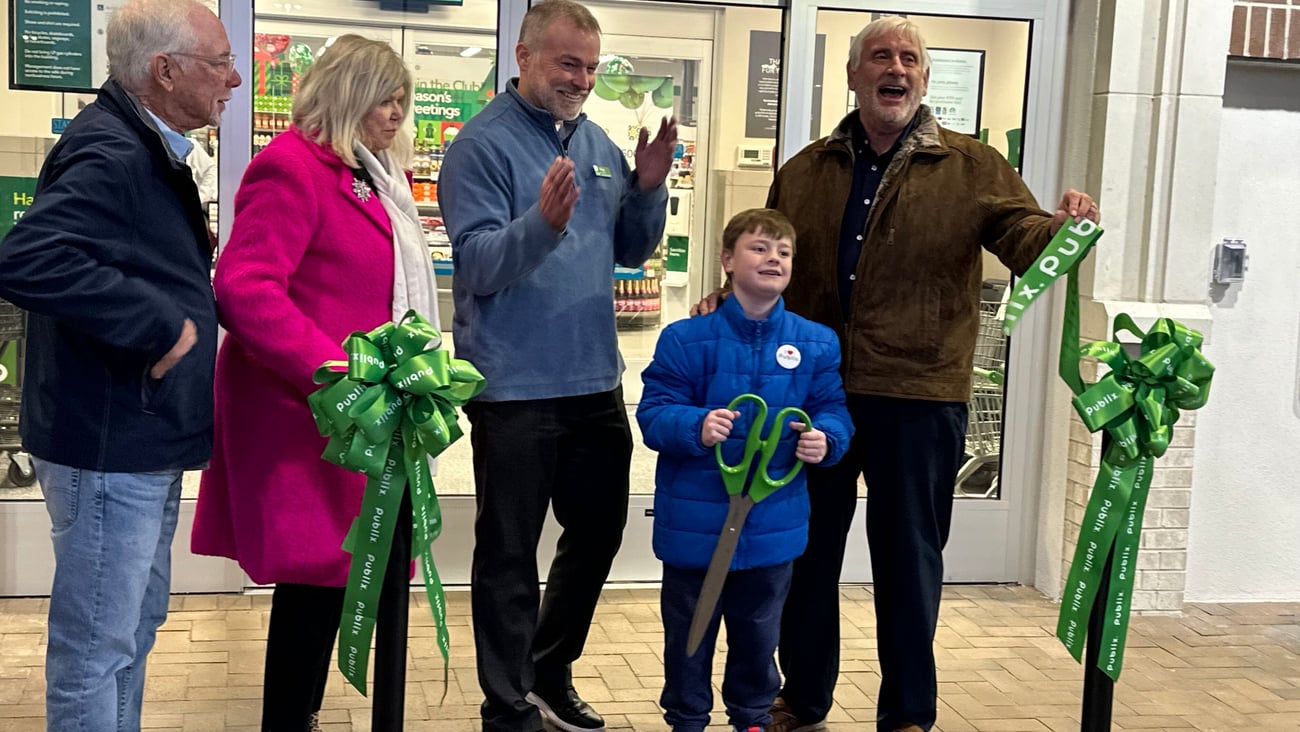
(709, 302)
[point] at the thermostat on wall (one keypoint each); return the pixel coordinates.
(751, 156)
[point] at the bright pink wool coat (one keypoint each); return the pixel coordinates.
(308, 263)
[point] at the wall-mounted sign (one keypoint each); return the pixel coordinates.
(956, 88)
(15, 198)
(763, 96)
(679, 248)
(414, 6)
(58, 45)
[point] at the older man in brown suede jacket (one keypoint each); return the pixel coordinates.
(892, 212)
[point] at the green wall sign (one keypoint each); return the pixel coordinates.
(679, 248)
(15, 198)
(57, 45)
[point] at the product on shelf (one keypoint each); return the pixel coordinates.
(428, 159)
(636, 296)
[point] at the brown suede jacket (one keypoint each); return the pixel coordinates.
(915, 302)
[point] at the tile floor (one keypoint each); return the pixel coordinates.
(1216, 667)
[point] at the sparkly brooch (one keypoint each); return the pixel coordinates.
(361, 189)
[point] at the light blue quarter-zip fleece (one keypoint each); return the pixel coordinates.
(535, 308)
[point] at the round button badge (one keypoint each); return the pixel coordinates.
(788, 356)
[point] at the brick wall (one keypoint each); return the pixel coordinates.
(1162, 559)
(1266, 29)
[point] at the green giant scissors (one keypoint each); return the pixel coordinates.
(736, 479)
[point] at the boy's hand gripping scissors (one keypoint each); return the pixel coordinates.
(736, 479)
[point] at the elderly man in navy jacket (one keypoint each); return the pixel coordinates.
(112, 264)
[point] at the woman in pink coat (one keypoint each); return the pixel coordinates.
(326, 241)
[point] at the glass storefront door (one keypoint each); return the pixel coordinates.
(28, 129)
(984, 82)
(451, 51)
(692, 47)
(750, 85)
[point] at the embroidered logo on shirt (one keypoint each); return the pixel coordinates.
(788, 356)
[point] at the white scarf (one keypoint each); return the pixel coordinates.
(414, 287)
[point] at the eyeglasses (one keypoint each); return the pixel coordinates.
(225, 62)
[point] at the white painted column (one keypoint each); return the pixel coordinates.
(1145, 91)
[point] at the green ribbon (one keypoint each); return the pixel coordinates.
(1138, 403)
(1061, 255)
(386, 410)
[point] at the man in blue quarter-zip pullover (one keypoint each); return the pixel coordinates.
(540, 205)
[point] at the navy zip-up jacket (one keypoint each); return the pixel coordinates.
(109, 261)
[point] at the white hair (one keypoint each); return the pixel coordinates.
(142, 29)
(886, 26)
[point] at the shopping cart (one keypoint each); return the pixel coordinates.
(978, 476)
(12, 330)
(990, 344)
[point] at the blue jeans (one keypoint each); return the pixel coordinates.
(751, 605)
(112, 536)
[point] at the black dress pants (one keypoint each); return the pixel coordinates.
(909, 451)
(571, 454)
(300, 644)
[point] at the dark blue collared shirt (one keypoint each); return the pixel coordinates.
(868, 170)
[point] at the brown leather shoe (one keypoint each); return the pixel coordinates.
(783, 720)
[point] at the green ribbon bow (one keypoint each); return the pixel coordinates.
(387, 409)
(1138, 403)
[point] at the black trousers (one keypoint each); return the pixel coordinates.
(572, 454)
(909, 451)
(300, 644)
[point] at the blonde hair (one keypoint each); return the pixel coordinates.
(540, 16)
(352, 77)
(767, 221)
(142, 29)
(888, 25)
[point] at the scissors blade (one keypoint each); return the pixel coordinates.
(716, 576)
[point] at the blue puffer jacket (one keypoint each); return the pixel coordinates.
(701, 364)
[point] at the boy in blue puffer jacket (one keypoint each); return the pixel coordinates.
(749, 345)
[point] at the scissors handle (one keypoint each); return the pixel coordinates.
(734, 477)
